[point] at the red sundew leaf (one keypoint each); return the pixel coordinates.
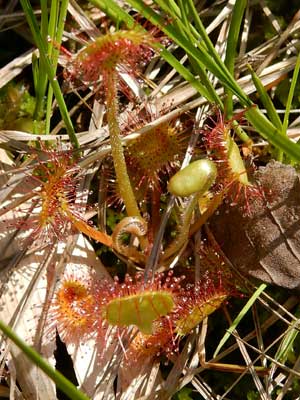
(121, 49)
(136, 302)
(96, 357)
(265, 245)
(197, 314)
(74, 307)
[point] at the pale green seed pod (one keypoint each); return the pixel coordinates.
(197, 177)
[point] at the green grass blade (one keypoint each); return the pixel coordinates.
(286, 346)
(269, 106)
(266, 100)
(232, 40)
(35, 70)
(189, 77)
(31, 19)
(118, 14)
(273, 135)
(211, 60)
(170, 8)
(44, 18)
(291, 95)
(115, 12)
(204, 58)
(197, 69)
(41, 81)
(58, 13)
(51, 35)
(240, 316)
(184, 13)
(61, 382)
(230, 45)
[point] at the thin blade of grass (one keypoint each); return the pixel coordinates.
(269, 106)
(240, 316)
(206, 90)
(55, 31)
(64, 384)
(210, 59)
(232, 40)
(269, 132)
(266, 100)
(286, 345)
(291, 95)
(115, 12)
(202, 56)
(186, 14)
(32, 22)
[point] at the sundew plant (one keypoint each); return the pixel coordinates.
(150, 199)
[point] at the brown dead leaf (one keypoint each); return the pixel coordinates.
(267, 244)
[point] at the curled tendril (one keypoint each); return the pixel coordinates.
(136, 226)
